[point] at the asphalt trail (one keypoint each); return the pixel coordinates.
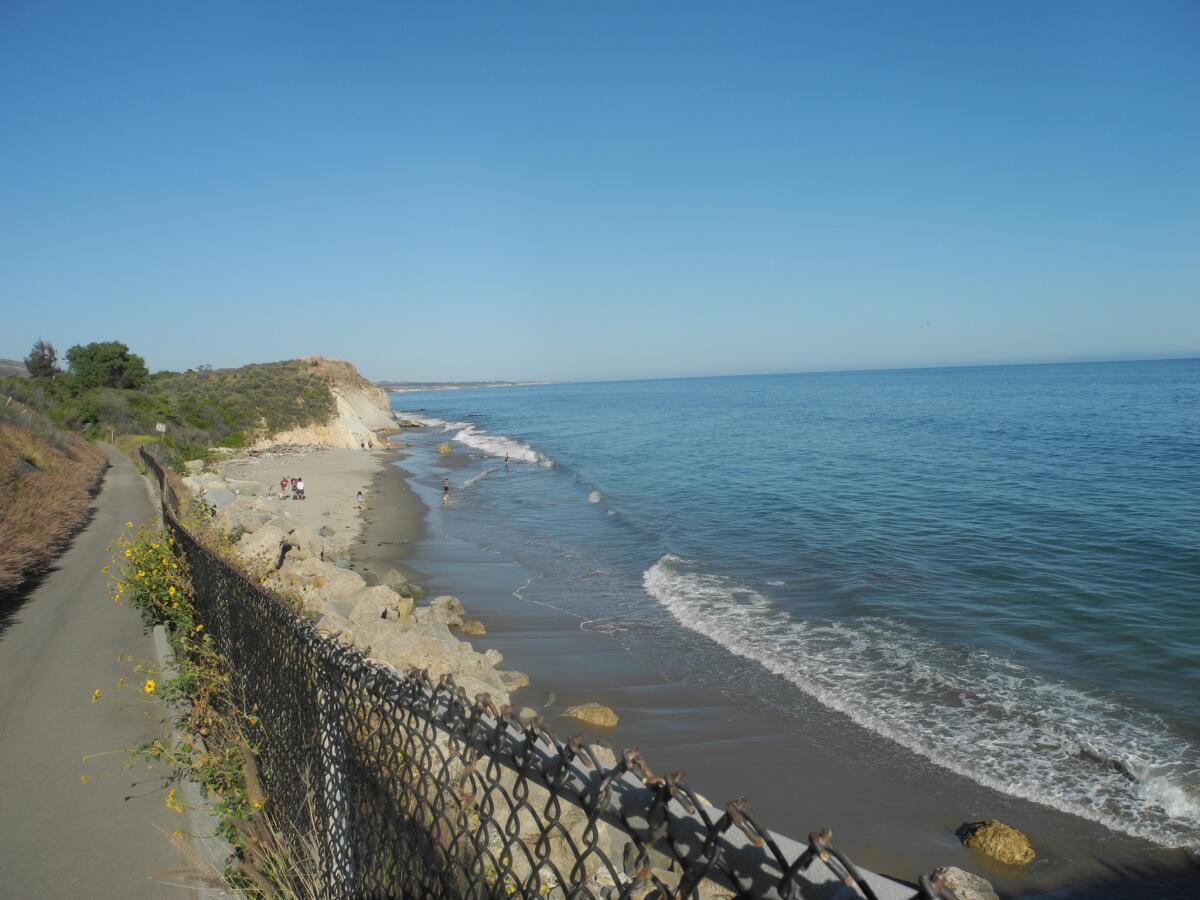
(61, 837)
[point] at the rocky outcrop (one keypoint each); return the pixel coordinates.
(593, 714)
(999, 841)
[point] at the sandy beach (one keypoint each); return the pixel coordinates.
(897, 818)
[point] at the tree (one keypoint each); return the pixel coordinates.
(42, 361)
(106, 364)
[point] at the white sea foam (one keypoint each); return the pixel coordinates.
(981, 716)
(776, 583)
(483, 474)
(595, 497)
(471, 435)
(499, 445)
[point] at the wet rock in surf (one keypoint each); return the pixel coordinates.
(999, 841)
(473, 627)
(967, 885)
(593, 714)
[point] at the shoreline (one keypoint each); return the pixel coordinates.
(897, 817)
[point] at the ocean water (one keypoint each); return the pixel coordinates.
(997, 568)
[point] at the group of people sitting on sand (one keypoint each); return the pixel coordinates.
(297, 485)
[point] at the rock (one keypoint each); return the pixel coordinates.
(967, 885)
(514, 681)
(550, 700)
(218, 496)
(307, 541)
(252, 520)
(326, 531)
(450, 604)
(593, 714)
(494, 657)
(526, 715)
(261, 545)
(245, 488)
(194, 465)
(472, 627)
(999, 841)
(444, 609)
(604, 756)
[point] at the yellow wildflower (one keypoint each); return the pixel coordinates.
(95, 695)
(199, 627)
(171, 591)
(138, 668)
(149, 686)
(120, 682)
(141, 574)
(104, 569)
(128, 553)
(153, 546)
(83, 778)
(128, 524)
(120, 656)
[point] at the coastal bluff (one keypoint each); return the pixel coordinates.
(361, 410)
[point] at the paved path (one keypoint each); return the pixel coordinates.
(60, 837)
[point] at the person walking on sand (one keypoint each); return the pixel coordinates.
(360, 498)
(283, 483)
(300, 488)
(445, 490)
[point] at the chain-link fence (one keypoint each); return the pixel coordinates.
(408, 788)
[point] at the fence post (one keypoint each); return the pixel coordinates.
(336, 840)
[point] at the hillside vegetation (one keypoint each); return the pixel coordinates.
(107, 392)
(47, 477)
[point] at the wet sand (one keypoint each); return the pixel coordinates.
(895, 814)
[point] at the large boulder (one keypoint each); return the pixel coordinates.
(433, 648)
(445, 610)
(967, 885)
(260, 546)
(593, 714)
(308, 542)
(218, 497)
(381, 603)
(999, 841)
(472, 627)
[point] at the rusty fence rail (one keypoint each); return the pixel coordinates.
(404, 787)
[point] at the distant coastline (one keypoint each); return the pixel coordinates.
(408, 387)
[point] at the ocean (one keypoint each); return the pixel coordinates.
(997, 568)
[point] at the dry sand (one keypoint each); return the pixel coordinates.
(331, 480)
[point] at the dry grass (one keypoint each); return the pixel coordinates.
(47, 478)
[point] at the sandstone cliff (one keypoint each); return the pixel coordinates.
(362, 412)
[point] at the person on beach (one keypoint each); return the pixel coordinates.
(293, 483)
(283, 483)
(300, 488)
(360, 498)
(445, 490)
(506, 459)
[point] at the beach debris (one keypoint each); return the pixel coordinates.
(997, 840)
(445, 449)
(967, 885)
(472, 627)
(593, 714)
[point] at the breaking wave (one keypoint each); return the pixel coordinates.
(497, 445)
(979, 715)
(595, 497)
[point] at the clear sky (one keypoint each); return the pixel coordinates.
(601, 190)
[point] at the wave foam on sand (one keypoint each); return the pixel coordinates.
(981, 716)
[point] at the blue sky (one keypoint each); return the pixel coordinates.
(602, 190)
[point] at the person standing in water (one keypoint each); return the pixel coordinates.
(445, 490)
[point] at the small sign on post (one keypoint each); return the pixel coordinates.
(160, 427)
